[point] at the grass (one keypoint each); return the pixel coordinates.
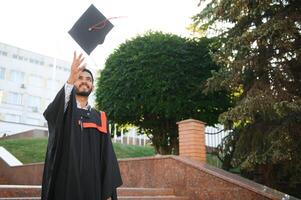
(132, 151)
(213, 160)
(26, 150)
(33, 150)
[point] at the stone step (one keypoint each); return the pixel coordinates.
(166, 197)
(127, 191)
(20, 191)
(31, 192)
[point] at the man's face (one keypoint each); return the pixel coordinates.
(83, 85)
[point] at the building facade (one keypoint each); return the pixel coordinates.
(28, 83)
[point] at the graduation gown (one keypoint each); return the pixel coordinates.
(80, 162)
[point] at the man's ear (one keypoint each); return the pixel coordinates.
(92, 88)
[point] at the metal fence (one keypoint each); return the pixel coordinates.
(214, 137)
(130, 136)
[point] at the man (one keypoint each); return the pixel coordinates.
(80, 161)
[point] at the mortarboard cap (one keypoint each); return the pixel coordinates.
(90, 29)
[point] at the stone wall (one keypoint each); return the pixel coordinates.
(188, 177)
(35, 133)
(191, 178)
(29, 174)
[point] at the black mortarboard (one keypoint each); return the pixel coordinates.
(90, 29)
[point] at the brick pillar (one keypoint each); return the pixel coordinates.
(192, 139)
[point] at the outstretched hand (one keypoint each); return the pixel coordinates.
(76, 67)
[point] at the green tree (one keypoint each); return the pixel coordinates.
(154, 81)
(261, 59)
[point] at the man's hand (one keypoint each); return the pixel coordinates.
(76, 68)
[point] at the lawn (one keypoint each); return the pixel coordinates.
(33, 150)
(26, 150)
(213, 160)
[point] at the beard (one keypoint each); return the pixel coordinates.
(83, 93)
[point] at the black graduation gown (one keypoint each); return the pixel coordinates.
(80, 162)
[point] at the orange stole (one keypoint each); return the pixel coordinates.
(102, 128)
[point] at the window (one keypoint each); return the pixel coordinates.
(36, 80)
(2, 73)
(66, 69)
(14, 98)
(3, 53)
(34, 103)
(20, 57)
(35, 61)
(12, 118)
(32, 121)
(17, 76)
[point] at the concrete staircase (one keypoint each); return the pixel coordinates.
(24, 192)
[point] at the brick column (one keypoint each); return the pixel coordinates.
(192, 139)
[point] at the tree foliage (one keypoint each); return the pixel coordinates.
(156, 80)
(261, 59)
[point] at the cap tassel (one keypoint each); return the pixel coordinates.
(102, 23)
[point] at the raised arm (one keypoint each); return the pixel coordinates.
(63, 96)
(76, 67)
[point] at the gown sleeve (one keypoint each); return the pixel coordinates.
(54, 111)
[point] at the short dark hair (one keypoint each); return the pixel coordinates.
(86, 70)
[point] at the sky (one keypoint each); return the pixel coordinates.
(42, 26)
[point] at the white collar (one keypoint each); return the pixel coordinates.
(86, 107)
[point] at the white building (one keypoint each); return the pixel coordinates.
(28, 83)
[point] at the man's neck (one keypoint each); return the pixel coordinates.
(83, 101)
